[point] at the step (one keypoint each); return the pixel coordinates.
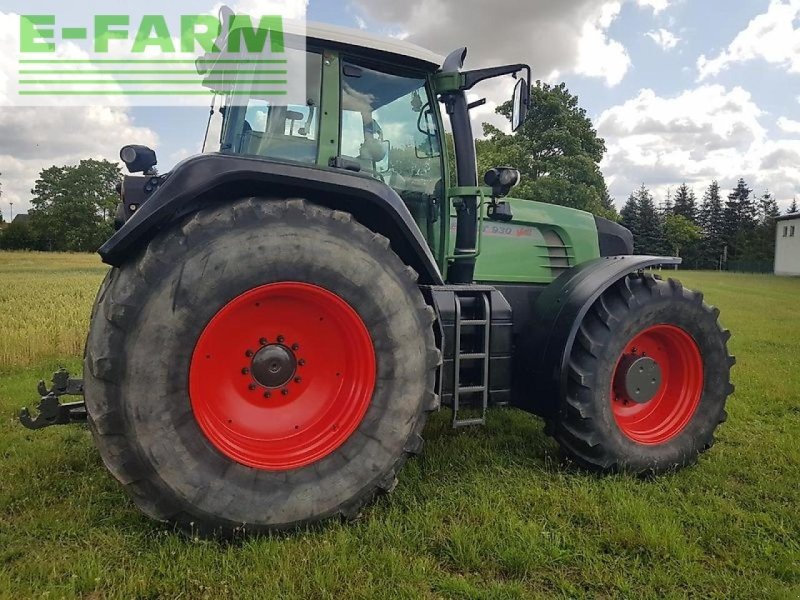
(468, 422)
(473, 322)
(472, 389)
(473, 356)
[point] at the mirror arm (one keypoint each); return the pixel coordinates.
(471, 78)
(476, 104)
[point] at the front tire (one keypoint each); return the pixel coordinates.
(263, 365)
(649, 375)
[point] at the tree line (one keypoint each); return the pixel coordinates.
(72, 209)
(719, 231)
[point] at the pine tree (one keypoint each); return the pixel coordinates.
(740, 221)
(651, 227)
(712, 220)
(764, 244)
(630, 216)
(792, 207)
(768, 209)
(686, 203)
(607, 204)
(666, 207)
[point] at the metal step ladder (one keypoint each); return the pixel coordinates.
(475, 395)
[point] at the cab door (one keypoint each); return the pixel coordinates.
(389, 128)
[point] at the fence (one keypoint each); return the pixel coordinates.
(751, 266)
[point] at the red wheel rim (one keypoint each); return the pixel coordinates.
(678, 395)
(282, 375)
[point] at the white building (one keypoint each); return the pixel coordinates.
(787, 246)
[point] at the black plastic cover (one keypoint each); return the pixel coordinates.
(614, 239)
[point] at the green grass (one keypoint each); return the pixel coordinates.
(484, 513)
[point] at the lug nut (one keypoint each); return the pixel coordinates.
(280, 339)
(252, 386)
(267, 395)
(249, 353)
(263, 341)
(245, 371)
(301, 362)
(295, 347)
(297, 380)
(285, 391)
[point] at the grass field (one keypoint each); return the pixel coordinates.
(485, 513)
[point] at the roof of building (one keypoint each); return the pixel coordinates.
(788, 217)
(361, 39)
(22, 218)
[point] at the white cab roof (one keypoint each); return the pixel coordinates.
(362, 39)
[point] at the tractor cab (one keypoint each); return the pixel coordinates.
(371, 107)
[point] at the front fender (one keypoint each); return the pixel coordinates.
(210, 178)
(558, 313)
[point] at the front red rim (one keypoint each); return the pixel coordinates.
(325, 372)
(672, 406)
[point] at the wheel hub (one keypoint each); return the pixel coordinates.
(638, 378)
(282, 375)
(273, 366)
(657, 384)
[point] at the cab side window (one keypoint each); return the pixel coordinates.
(282, 130)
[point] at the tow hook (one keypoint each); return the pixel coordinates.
(51, 411)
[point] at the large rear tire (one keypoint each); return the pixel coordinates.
(648, 378)
(263, 365)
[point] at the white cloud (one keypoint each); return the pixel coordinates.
(598, 56)
(289, 9)
(770, 36)
(551, 38)
(789, 125)
(32, 139)
(664, 38)
(702, 134)
(656, 5)
(568, 36)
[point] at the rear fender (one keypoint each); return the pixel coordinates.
(541, 377)
(213, 178)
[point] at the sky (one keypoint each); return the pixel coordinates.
(681, 90)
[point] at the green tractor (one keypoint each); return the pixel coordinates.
(285, 310)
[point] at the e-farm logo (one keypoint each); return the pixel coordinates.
(153, 56)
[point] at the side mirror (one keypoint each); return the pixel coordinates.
(521, 103)
(428, 145)
(383, 166)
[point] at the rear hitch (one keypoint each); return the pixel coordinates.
(51, 411)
